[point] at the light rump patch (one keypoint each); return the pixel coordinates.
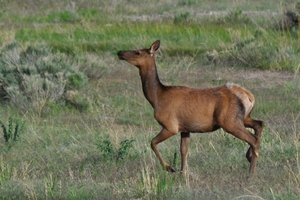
(244, 95)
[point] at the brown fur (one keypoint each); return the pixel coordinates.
(189, 110)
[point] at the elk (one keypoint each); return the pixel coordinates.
(194, 110)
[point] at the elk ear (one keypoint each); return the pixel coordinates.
(154, 47)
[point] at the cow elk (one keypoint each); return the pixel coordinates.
(191, 110)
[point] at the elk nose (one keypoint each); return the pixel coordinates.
(120, 55)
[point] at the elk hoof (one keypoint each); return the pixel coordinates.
(171, 169)
(249, 154)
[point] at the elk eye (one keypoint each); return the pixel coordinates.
(137, 53)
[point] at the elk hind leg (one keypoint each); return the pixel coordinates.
(185, 139)
(242, 133)
(257, 126)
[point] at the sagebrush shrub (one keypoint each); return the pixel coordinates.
(258, 50)
(76, 81)
(289, 21)
(92, 65)
(251, 52)
(235, 16)
(30, 79)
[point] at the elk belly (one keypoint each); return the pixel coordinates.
(197, 125)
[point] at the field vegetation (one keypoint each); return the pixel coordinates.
(74, 123)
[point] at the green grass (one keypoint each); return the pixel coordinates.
(99, 38)
(61, 154)
(234, 35)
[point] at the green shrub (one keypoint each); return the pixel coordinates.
(30, 79)
(182, 18)
(236, 16)
(76, 81)
(110, 153)
(11, 132)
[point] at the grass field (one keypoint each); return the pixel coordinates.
(87, 126)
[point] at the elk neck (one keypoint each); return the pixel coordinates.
(152, 87)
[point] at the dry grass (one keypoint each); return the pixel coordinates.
(60, 159)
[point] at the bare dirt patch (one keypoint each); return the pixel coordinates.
(201, 14)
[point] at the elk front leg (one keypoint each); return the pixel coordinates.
(163, 135)
(185, 140)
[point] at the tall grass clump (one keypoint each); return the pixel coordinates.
(34, 78)
(294, 171)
